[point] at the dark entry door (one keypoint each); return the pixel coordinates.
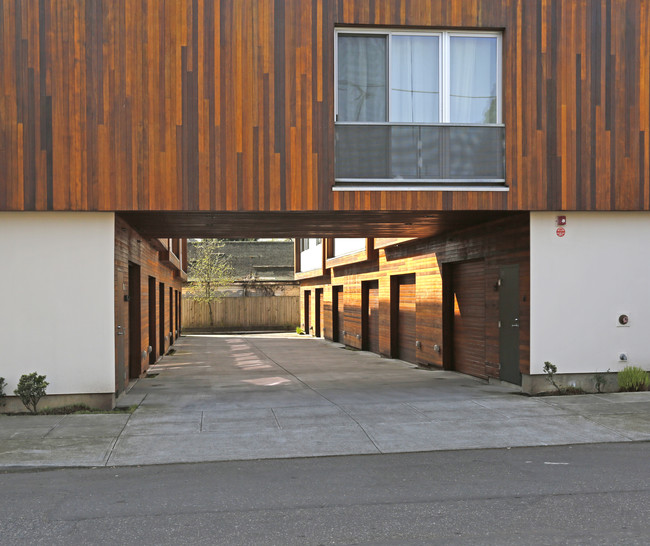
(370, 304)
(152, 321)
(121, 380)
(177, 317)
(318, 304)
(509, 324)
(161, 318)
(404, 298)
(135, 331)
(468, 285)
(171, 316)
(337, 314)
(307, 307)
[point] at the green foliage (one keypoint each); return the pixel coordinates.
(84, 409)
(600, 379)
(571, 389)
(31, 388)
(550, 370)
(299, 330)
(633, 379)
(490, 114)
(3, 385)
(209, 270)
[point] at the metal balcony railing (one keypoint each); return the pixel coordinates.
(411, 154)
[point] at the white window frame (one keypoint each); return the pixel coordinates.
(444, 65)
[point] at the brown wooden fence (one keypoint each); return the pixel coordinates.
(245, 313)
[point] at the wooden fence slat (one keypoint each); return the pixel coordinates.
(245, 313)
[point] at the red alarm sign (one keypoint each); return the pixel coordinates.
(560, 232)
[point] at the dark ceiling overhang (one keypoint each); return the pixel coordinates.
(306, 224)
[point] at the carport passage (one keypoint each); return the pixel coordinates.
(284, 395)
(275, 396)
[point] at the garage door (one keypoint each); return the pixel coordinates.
(406, 318)
(468, 285)
(371, 311)
(337, 314)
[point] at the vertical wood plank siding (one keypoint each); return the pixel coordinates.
(497, 244)
(207, 105)
(130, 246)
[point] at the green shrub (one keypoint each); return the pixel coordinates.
(84, 409)
(31, 388)
(3, 385)
(550, 370)
(571, 389)
(632, 379)
(299, 330)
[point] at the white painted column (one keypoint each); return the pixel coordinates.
(581, 282)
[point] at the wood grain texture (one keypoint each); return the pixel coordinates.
(188, 105)
(468, 327)
(131, 247)
(431, 261)
(246, 313)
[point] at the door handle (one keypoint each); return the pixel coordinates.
(516, 324)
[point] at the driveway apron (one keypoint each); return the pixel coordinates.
(255, 396)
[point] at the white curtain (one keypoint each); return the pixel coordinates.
(361, 78)
(414, 79)
(473, 74)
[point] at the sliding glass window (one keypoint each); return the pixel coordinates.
(421, 108)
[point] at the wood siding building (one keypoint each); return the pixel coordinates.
(418, 293)
(199, 105)
(223, 118)
(149, 276)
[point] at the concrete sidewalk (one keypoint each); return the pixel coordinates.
(259, 396)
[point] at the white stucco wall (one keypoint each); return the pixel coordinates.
(312, 258)
(348, 246)
(57, 310)
(581, 283)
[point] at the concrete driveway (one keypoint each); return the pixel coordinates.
(255, 396)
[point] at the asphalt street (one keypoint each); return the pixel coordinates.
(582, 494)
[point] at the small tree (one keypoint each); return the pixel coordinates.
(31, 388)
(550, 370)
(209, 270)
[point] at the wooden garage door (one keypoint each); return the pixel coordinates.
(468, 284)
(406, 318)
(338, 314)
(371, 301)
